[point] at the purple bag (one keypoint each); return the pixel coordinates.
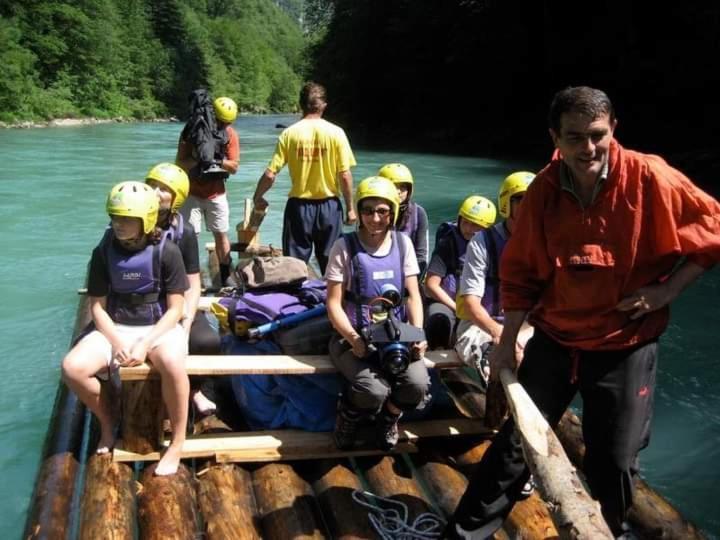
(259, 307)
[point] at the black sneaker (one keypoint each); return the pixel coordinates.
(386, 430)
(345, 427)
(527, 489)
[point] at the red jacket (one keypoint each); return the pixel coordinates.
(570, 267)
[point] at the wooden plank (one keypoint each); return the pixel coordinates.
(275, 364)
(292, 444)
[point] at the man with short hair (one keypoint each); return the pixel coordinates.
(606, 239)
(319, 159)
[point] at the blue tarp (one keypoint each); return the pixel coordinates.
(296, 401)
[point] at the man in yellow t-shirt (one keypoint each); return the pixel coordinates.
(319, 159)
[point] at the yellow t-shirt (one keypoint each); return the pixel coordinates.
(315, 151)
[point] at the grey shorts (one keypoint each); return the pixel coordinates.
(215, 212)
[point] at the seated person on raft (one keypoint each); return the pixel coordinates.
(136, 308)
(412, 218)
(446, 266)
(478, 301)
(172, 186)
(361, 267)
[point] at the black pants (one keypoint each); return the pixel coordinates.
(308, 223)
(439, 326)
(617, 388)
(204, 339)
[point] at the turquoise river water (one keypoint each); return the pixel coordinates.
(53, 184)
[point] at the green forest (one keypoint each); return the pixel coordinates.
(464, 76)
(141, 58)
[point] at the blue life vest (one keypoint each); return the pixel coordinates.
(135, 282)
(494, 243)
(455, 265)
(368, 274)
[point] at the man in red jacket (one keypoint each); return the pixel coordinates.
(606, 239)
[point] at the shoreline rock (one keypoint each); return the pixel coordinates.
(75, 122)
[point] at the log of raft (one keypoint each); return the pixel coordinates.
(575, 513)
(334, 482)
(108, 502)
(286, 504)
(227, 503)
(50, 513)
(651, 515)
(167, 506)
(142, 408)
(390, 477)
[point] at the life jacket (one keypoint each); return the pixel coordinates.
(175, 231)
(135, 296)
(368, 274)
(408, 222)
(458, 251)
(202, 131)
(494, 243)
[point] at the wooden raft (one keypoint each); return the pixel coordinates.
(142, 438)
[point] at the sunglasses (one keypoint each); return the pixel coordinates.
(382, 211)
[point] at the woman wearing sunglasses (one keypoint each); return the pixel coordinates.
(362, 265)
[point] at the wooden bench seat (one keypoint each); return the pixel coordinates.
(275, 364)
(292, 444)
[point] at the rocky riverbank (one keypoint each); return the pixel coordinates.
(73, 122)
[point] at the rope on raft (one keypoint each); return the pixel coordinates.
(390, 519)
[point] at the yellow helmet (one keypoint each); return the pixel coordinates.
(397, 173)
(381, 187)
(225, 110)
(517, 182)
(173, 178)
(134, 199)
(478, 210)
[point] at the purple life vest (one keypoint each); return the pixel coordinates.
(368, 274)
(494, 244)
(175, 233)
(458, 251)
(408, 222)
(135, 283)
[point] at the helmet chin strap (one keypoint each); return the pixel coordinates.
(133, 244)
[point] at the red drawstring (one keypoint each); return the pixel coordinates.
(575, 359)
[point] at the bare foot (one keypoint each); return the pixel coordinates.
(168, 464)
(203, 405)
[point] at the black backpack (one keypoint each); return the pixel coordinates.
(201, 130)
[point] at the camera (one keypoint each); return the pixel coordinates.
(391, 338)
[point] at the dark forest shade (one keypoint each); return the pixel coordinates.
(477, 76)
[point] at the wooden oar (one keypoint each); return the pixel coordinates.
(575, 513)
(248, 230)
